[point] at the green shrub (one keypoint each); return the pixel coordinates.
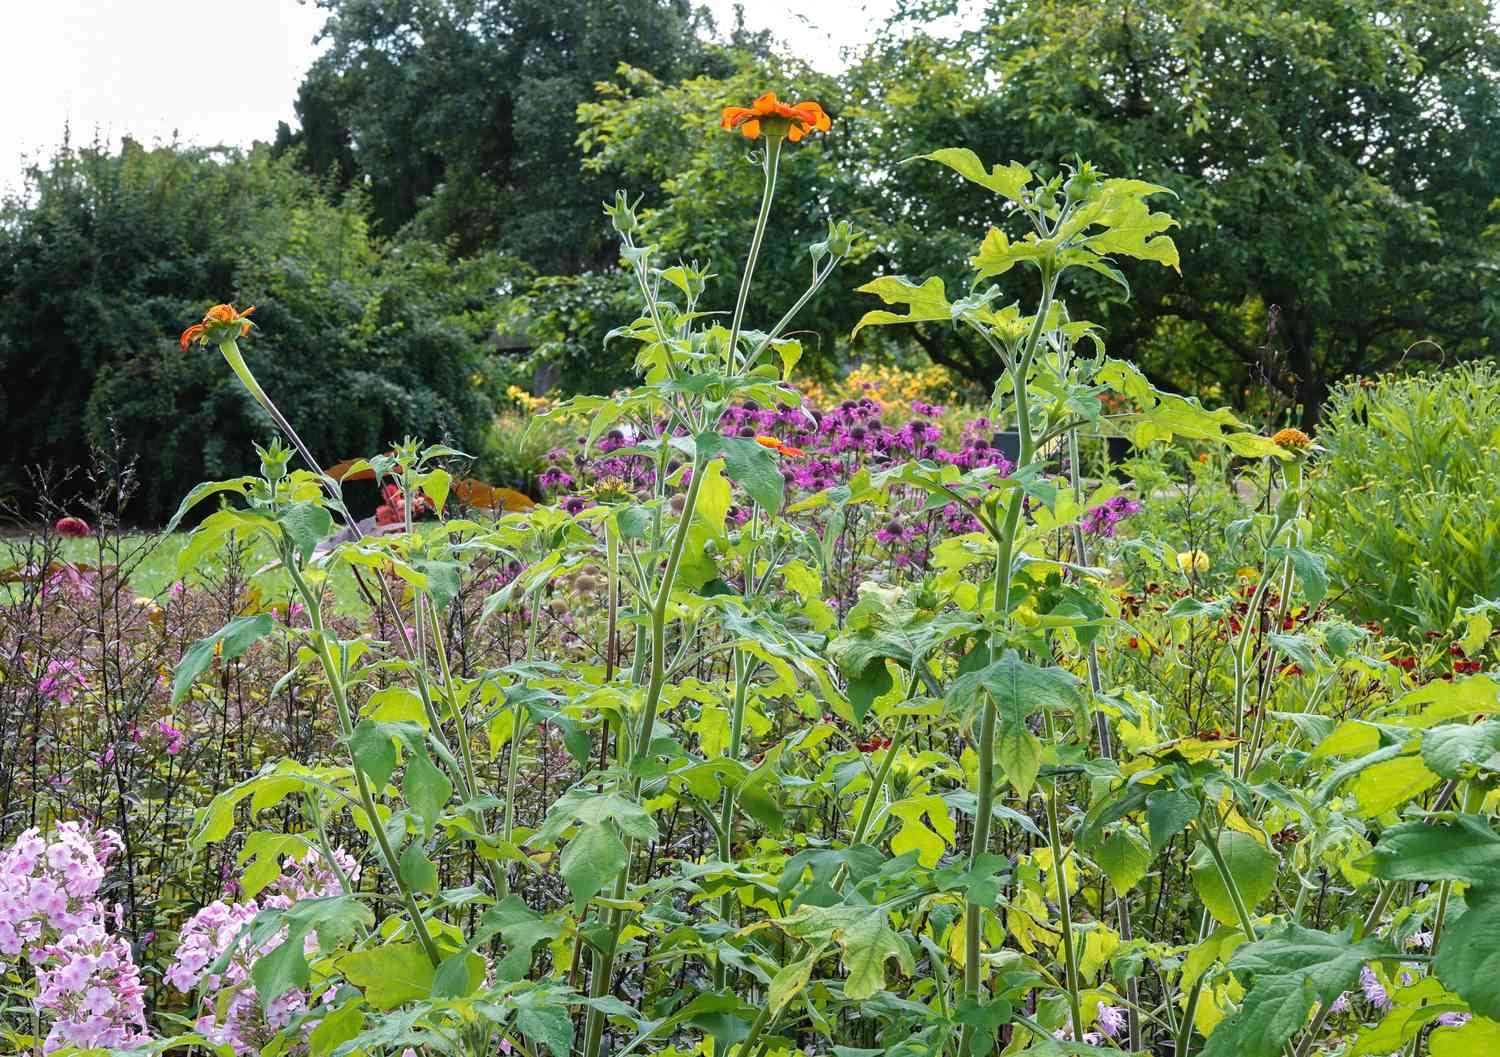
(112, 255)
(1406, 499)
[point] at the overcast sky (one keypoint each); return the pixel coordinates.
(226, 71)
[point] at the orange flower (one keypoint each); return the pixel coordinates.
(1292, 439)
(775, 118)
(780, 448)
(219, 324)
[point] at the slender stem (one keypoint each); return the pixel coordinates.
(1211, 842)
(772, 162)
(1004, 560)
(1064, 905)
(346, 727)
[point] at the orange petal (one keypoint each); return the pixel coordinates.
(189, 335)
(795, 132)
(733, 115)
(767, 104)
(768, 442)
(751, 128)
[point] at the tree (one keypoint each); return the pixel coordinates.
(1333, 159)
(460, 113)
(111, 255)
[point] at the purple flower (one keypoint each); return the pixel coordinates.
(1374, 990)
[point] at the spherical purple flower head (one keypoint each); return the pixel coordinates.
(1102, 520)
(554, 480)
(890, 533)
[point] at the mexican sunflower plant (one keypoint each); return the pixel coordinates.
(947, 819)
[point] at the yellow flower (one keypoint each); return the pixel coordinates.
(1192, 561)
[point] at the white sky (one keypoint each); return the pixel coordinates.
(226, 71)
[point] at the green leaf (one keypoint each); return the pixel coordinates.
(417, 871)
(1389, 783)
(791, 979)
(1134, 231)
(1285, 975)
(233, 639)
(1465, 849)
(240, 486)
(865, 937)
(1124, 856)
(1450, 749)
(998, 255)
(1479, 1036)
(390, 975)
(336, 1028)
(335, 918)
(522, 929)
(1251, 865)
(749, 465)
(1008, 181)
(374, 750)
(1311, 570)
(442, 580)
(1468, 956)
(593, 858)
(426, 790)
(1168, 813)
(1018, 690)
(927, 302)
(306, 524)
(548, 1024)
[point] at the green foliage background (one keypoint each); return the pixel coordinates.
(1337, 165)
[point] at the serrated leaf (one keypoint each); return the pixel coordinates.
(1285, 975)
(1468, 955)
(1008, 181)
(1466, 849)
(749, 465)
(1450, 749)
(926, 302)
(593, 858)
(1124, 856)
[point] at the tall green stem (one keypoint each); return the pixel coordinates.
(771, 162)
(336, 690)
(1004, 560)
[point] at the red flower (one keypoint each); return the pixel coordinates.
(73, 528)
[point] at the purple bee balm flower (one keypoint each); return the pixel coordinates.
(1111, 1019)
(1374, 990)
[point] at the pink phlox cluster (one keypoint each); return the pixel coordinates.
(88, 986)
(50, 888)
(243, 1023)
